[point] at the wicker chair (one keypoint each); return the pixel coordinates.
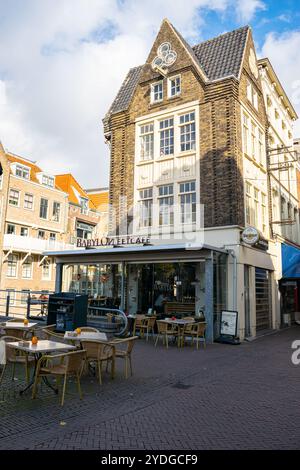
(98, 352)
(195, 331)
(126, 352)
(70, 364)
(146, 325)
(16, 357)
(165, 331)
(15, 332)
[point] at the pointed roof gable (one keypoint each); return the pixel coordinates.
(222, 56)
(70, 185)
(215, 59)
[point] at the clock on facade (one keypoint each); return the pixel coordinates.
(252, 63)
(165, 57)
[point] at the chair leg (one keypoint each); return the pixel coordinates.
(64, 390)
(13, 371)
(2, 373)
(27, 370)
(197, 339)
(100, 372)
(130, 364)
(126, 367)
(167, 341)
(156, 340)
(35, 384)
(79, 385)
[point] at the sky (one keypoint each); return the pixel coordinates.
(63, 61)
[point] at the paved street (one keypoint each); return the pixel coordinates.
(224, 397)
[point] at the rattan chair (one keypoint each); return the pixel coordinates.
(13, 356)
(98, 352)
(126, 352)
(165, 331)
(195, 331)
(70, 364)
(146, 326)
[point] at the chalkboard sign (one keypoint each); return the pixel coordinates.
(229, 320)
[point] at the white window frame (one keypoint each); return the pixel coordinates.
(13, 268)
(16, 191)
(248, 203)
(44, 199)
(256, 194)
(155, 95)
(147, 141)
(47, 263)
(26, 202)
(186, 130)
(168, 196)
(23, 170)
(54, 218)
(84, 205)
(26, 228)
(27, 268)
(10, 225)
(264, 222)
(246, 133)
(166, 131)
(188, 210)
(145, 207)
(172, 86)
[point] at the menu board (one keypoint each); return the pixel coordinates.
(229, 322)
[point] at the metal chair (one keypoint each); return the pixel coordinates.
(70, 364)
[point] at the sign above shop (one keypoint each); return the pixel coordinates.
(112, 241)
(251, 236)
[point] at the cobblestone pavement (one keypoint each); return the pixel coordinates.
(224, 397)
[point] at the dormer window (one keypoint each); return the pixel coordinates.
(84, 204)
(157, 92)
(22, 171)
(48, 180)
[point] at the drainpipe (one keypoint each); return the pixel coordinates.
(234, 280)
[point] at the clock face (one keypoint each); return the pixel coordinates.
(252, 63)
(165, 56)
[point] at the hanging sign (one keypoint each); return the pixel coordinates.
(251, 236)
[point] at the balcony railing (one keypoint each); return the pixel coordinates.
(34, 245)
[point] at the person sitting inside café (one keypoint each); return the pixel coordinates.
(160, 302)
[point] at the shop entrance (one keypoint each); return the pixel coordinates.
(161, 287)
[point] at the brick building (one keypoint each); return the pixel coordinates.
(38, 212)
(190, 160)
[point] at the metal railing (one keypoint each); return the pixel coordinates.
(34, 305)
(18, 304)
(101, 321)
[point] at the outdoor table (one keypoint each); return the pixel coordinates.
(86, 335)
(12, 325)
(38, 350)
(18, 326)
(181, 323)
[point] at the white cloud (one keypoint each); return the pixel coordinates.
(246, 9)
(62, 63)
(283, 52)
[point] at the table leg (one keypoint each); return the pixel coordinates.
(36, 358)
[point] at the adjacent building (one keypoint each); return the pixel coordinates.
(39, 212)
(202, 189)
